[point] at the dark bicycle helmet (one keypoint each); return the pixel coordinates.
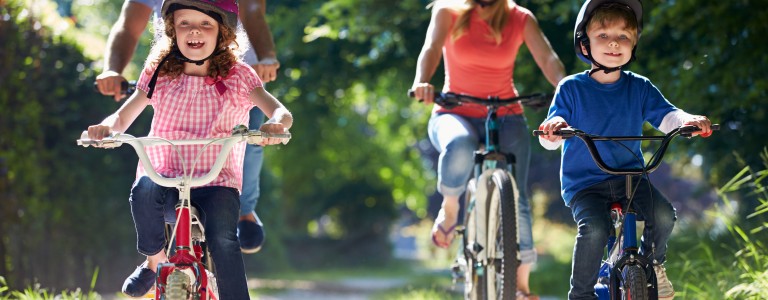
(580, 29)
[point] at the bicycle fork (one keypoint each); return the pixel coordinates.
(184, 269)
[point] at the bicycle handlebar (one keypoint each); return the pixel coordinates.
(589, 140)
(138, 144)
(450, 100)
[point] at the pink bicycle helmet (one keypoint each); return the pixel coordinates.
(226, 10)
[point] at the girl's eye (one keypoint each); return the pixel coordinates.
(603, 35)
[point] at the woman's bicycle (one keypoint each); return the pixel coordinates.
(189, 271)
(489, 255)
(625, 273)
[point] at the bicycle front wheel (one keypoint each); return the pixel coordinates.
(502, 244)
(633, 285)
(474, 271)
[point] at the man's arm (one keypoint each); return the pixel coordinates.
(121, 45)
(252, 15)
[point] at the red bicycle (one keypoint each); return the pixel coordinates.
(189, 272)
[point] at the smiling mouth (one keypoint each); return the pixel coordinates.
(613, 54)
(195, 44)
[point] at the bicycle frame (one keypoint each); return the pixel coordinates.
(489, 256)
(622, 245)
(187, 256)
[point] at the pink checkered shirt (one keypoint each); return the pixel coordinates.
(188, 107)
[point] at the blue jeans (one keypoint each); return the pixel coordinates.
(152, 205)
(254, 158)
(591, 211)
(457, 137)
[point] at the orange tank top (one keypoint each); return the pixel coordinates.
(475, 65)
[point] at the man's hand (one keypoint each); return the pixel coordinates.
(109, 84)
(267, 69)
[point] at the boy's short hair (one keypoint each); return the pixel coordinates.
(609, 13)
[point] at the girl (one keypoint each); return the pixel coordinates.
(198, 89)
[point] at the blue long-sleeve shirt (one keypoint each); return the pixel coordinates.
(615, 109)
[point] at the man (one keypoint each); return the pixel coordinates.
(121, 46)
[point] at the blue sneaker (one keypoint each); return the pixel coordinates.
(139, 282)
(251, 235)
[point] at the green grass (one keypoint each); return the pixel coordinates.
(36, 292)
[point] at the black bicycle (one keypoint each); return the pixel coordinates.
(489, 255)
(625, 274)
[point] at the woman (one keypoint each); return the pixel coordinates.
(480, 40)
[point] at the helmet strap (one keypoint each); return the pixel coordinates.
(585, 43)
(177, 54)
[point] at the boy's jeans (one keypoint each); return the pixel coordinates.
(152, 205)
(591, 211)
(457, 138)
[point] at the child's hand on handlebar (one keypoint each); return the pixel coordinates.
(98, 132)
(699, 121)
(424, 92)
(549, 127)
(273, 128)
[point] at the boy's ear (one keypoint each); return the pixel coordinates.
(583, 49)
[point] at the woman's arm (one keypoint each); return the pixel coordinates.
(431, 53)
(542, 52)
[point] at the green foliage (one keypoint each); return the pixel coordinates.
(710, 62)
(36, 292)
(734, 264)
(57, 197)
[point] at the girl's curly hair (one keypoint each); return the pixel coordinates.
(221, 61)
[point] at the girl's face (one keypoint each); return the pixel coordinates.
(611, 44)
(196, 33)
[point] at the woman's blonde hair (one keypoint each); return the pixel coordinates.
(221, 61)
(499, 18)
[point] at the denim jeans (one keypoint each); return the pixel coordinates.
(457, 137)
(591, 211)
(152, 205)
(254, 158)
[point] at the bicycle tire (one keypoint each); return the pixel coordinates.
(502, 244)
(474, 283)
(634, 286)
(177, 287)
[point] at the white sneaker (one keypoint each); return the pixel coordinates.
(665, 289)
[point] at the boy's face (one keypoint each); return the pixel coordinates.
(611, 43)
(196, 33)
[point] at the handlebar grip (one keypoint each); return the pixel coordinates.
(107, 142)
(259, 136)
(564, 133)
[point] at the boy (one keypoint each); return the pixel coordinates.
(608, 101)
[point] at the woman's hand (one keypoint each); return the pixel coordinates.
(424, 92)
